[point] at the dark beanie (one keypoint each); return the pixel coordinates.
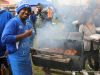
(41, 5)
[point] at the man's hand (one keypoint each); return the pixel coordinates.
(6, 53)
(33, 51)
(28, 32)
(24, 35)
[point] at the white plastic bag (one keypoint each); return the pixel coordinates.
(75, 22)
(98, 29)
(95, 36)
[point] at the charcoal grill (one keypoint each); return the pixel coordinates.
(59, 60)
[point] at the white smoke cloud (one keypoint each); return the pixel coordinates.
(68, 2)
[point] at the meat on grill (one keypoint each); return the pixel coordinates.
(70, 52)
(56, 51)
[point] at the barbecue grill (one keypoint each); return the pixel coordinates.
(63, 53)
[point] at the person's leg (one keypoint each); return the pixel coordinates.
(51, 21)
(95, 56)
(10, 71)
(89, 59)
(34, 27)
(90, 62)
(85, 56)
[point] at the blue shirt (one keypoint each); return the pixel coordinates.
(28, 27)
(29, 19)
(13, 27)
(18, 52)
(5, 16)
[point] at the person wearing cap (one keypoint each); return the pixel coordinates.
(43, 26)
(16, 38)
(43, 12)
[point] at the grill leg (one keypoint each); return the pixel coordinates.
(47, 71)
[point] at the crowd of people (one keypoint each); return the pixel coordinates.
(17, 34)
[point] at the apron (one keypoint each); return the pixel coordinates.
(20, 60)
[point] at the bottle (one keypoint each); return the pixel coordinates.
(2, 69)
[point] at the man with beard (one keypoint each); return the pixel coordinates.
(43, 15)
(16, 38)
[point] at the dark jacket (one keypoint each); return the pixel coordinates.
(43, 18)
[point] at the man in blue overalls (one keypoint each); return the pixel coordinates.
(16, 38)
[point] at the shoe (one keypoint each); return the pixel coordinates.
(96, 73)
(91, 66)
(84, 72)
(73, 73)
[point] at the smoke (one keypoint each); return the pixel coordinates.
(54, 37)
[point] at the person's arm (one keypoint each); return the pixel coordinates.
(44, 14)
(81, 29)
(24, 35)
(5, 53)
(9, 35)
